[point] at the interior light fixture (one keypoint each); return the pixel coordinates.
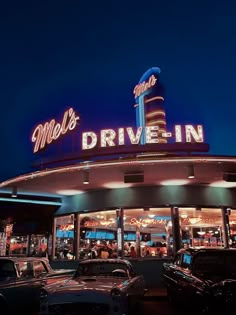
(191, 171)
(14, 192)
(86, 177)
(201, 233)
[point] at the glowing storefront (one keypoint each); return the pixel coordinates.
(146, 187)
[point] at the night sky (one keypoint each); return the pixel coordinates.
(90, 54)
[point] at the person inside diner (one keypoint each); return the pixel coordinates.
(132, 252)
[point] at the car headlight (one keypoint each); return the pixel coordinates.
(115, 293)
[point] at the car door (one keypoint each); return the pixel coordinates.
(171, 274)
(185, 281)
(135, 288)
(22, 296)
(8, 277)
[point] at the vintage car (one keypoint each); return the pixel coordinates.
(202, 280)
(99, 286)
(21, 279)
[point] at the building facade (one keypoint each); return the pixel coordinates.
(143, 191)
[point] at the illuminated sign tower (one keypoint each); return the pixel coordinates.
(149, 99)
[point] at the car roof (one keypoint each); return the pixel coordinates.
(17, 259)
(194, 251)
(106, 260)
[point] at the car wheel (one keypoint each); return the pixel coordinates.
(171, 298)
(4, 307)
(138, 308)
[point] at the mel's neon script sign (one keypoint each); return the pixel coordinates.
(52, 130)
(45, 134)
(144, 86)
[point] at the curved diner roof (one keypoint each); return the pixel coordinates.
(157, 170)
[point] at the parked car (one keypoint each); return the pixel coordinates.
(99, 286)
(21, 279)
(203, 280)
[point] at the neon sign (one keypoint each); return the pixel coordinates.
(145, 221)
(50, 131)
(150, 126)
(113, 138)
(97, 223)
(199, 220)
(141, 91)
(144, 86)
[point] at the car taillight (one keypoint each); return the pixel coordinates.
(43, 294)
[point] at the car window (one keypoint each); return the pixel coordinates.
(7, 269)
(186, 260)
(215, 263)
(25, 269)
(39, 268)
(99, 269)
(177, 260)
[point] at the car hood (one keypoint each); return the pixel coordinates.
(63, 271)
(226, 284)
(103, 284)
(219, 279)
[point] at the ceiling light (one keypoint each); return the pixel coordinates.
(201, 232)
(14, 192)
(86, 177)
(191, 171)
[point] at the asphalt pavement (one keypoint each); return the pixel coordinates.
(156, 293)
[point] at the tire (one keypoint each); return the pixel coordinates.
(138, 308)
(171, 297)
(4, 307)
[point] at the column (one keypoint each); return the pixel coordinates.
(54, 228)
(226, 226)
(175, 229)
(138, 240)
(120, 232)
(76, 235)
(28, 245)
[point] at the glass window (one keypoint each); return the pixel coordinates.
(201, 227)
(232, 225)
(64, 237)
(98, 234)
(38, 245)
(18, 245)
(148, 232)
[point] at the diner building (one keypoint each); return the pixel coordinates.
(141, 191)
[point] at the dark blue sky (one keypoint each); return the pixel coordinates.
(90, 54)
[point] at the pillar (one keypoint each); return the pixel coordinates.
(175, 229)
(120, 232)
(226, 226)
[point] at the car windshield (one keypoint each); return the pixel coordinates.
(101, 269)
(223, 263)
(7, 269)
